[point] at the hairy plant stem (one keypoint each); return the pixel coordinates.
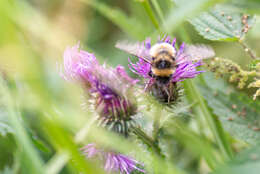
(248, 50)
(156, 123)
(150, 13)
(148, 141)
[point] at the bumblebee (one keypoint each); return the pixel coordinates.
(163, 62)
(163, 57)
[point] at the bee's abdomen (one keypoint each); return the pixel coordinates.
(163, 79)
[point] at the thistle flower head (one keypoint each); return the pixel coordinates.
(186, 68)
(108, 88)
(113, 162)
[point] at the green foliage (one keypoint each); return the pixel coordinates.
(245, 162)
(222, 24)
(129, 25)
(237, 112)
(186, 9)
(7, 170)
(42, 123)
(5, 128)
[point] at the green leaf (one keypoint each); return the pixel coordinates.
(7, 148)
(238, 113)
(222, 24)
(247, 161)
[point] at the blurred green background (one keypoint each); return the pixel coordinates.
(45, 110)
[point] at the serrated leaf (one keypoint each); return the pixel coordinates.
(238, 113)
(246, 162)
(222, 24)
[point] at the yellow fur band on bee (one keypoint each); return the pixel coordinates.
(162, 72)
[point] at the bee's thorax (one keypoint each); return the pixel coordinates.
(162, 48)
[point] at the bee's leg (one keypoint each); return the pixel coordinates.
(168, 93)
(169, 99)
(148, 84)
(150, 73)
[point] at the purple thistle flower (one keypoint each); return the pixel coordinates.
(185, 69)
(113, 162)
(108, 88)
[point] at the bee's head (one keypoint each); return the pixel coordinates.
(162, 49)
(163, 64)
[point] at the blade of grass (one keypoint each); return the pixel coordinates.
(187, 136)
(22, 138)
(158, 10)
(119, 18)
(63, 141)
(202, 110)
(57, 162)
(150, 13)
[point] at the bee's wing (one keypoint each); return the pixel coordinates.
(136, 49)
(198, 52)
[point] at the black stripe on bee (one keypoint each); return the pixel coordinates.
(163, 79)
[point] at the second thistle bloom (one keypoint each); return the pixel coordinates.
(113, 161)
(108, 89)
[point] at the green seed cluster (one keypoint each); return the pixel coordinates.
(223, 67)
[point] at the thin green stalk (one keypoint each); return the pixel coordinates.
(22, 138)
(158, 10)
(202, 109)
(187, 136)
(148, 141)
(248, 50)
(57, 162)
(150, 13)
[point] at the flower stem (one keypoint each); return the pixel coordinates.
(148, 141)
(150, 13)
(248, 50)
